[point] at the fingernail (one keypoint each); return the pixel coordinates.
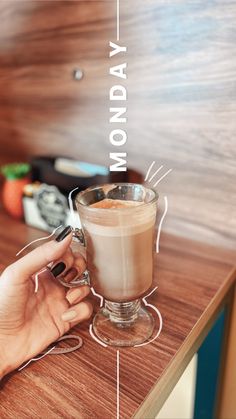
(64, 233)
(69, 315)
(70, 275)
(58, 268)
(73, 295)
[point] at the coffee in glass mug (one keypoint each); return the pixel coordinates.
(118, 223)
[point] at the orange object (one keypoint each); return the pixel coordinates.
(16, 177)
(12, 196)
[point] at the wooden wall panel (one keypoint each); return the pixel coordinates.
(181, 95)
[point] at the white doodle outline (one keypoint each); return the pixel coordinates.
(160, 224)
(159, 316)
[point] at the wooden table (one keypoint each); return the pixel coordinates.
(194, 282)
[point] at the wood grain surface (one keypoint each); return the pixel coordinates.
(193, 280)
(181, 95)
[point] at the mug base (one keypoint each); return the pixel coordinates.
(117, 324)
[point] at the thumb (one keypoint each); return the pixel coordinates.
(28, 265)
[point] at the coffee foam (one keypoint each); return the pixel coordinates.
(115, 204)
(121, 222)
(120, 226)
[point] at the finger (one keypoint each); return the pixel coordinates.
(75, 295)
(76, 271)
(70, 275)
(21, 270)
(71, 267)
(78, 313)
(79, 262)
(60, 267)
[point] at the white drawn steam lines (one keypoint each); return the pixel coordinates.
(150, 178)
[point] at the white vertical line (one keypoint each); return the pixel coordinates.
(118, 20)
(72, 213)
(117, 384)
(160, 224)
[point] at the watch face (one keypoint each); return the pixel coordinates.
(52, 205)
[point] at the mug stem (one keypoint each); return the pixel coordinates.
(123, 313)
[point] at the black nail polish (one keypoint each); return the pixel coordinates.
(58, 269)
(64, 233)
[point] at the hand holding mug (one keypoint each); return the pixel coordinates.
(30, 321)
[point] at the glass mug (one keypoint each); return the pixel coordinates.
(118, 228)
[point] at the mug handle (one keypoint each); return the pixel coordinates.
(84, 279)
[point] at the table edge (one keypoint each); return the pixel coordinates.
(161, 390)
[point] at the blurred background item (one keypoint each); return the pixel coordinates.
(54, 82)
(16, 177)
